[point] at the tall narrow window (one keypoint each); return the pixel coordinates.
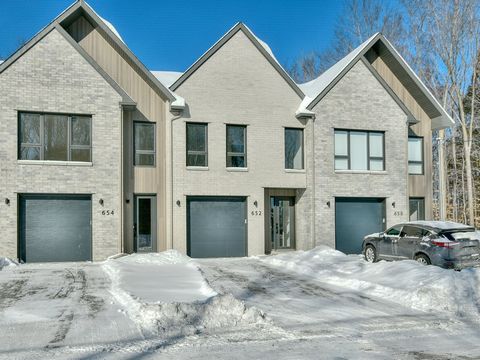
(31, 141)
(415, 155)
(359, 150)
(294, 149)
(55, 137)
(197, 145)
(417, 209)
(80, 139)
(144, 138)
(236, 146)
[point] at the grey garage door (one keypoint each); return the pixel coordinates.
(55, 228)
(216, 227)
(355, 218)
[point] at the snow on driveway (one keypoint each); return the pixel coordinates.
(298, 305)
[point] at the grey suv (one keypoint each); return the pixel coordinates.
(446, 244)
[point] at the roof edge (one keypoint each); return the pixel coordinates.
(126, 99)
(239, 26)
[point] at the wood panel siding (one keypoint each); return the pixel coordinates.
(418, 185)
(152, 106)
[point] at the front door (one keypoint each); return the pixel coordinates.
(145, 223)
(282, 222)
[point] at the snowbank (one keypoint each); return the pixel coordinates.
(426, 288)
(166, 293)
(6, 262)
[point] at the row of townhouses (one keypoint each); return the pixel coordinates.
(100, 155)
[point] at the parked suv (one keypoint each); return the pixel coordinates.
(446, 244)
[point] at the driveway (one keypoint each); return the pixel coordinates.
(75, 311)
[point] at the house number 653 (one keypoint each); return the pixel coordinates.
(108, 212)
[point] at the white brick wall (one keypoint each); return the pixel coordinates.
(54, 77)
(238, 85)
(359, 101)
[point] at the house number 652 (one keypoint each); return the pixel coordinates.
(108, 212)
(256, 213)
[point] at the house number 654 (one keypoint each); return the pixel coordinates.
(108, 212)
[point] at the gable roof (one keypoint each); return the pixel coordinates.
(319, 87)
(259, 44)
(81, 7)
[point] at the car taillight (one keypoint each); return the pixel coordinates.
(444, 244)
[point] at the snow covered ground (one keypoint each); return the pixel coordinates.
(313, 304)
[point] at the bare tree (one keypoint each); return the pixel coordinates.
(452, 33)
(360, 19)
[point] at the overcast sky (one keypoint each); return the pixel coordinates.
(172, 34)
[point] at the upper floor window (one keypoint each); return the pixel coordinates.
(359, 150)
(144, 143)
(236, 146)
(294, 148)
(197, 145)
(415, 155)
(55, 137)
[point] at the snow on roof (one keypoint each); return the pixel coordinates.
(111, 27)
(167, 78)
(313, 88)
(107, 24)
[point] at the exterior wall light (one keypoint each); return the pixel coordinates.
(328, 203)
(393, 204)
(255, 203)
(100, 202)
(7, 201)
(178, 202)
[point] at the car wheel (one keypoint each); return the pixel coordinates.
(422, 259)
(370, 254)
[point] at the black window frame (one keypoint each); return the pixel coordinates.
(232, 154)
(348, 156)
(145, 152)
(196, 152)
(285, 147)
(41, 144)
(414, 162)
(417, 200)
(394, 227)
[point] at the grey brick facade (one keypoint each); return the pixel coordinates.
(359, 102)
(53, 77)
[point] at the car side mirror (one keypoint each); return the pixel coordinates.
(382, 234)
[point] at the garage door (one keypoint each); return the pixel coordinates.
(216, 227)
(55, 228)
(355, 218)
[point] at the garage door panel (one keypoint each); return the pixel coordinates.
(216, 227)
(355, 218)
(55, 228)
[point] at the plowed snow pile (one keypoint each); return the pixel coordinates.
(166, 293)
(426, 288)
(6, 262)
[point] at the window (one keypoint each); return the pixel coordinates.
(417, 209)
(236, 146)
(359, 150)
(415, 155)
(55, 137)
(412, 231)
(144, 139)
(197, 145)
(294, 149)
(394, 231)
